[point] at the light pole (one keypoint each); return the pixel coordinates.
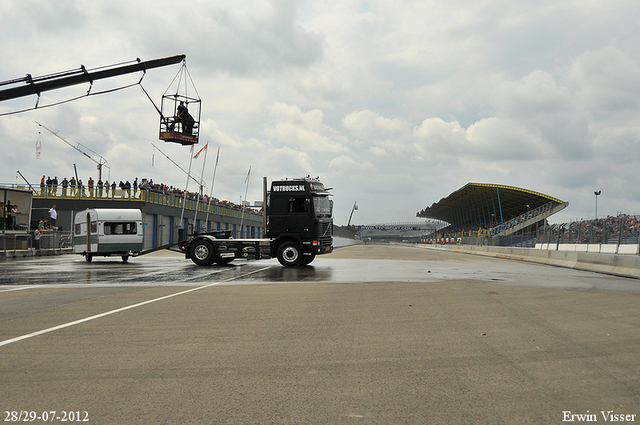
(355, 207)
(597, 193)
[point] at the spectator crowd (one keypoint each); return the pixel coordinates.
(51, 187)
(622, 228)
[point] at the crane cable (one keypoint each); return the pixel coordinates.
(183, 74)
(154, 104)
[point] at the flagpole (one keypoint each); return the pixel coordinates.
(213, 181)
(195, 219)
(175, 163)
(184, 198)
(245, 197)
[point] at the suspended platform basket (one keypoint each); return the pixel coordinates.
(179, 112)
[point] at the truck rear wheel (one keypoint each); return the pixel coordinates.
(289, 254)
(202, 253)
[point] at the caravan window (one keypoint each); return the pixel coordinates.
(94, 227)
(120, 228)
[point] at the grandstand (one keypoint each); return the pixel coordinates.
(492, 210)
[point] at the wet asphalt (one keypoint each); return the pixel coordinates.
(378, 334)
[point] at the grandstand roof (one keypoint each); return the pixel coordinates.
(488, 204)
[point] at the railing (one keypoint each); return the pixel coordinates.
(50, 239)
(12, 242)
(176, 200)
(522, 218)
(620, 230)
(611, 231)
(53, 240)
(144, 195)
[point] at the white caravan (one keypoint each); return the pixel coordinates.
(106, 232)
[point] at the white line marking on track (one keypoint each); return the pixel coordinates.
(108, 313)
(21, 288)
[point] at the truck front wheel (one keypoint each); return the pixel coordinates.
(223, 261)
(307, 259)
(202, 253)
(289, 254)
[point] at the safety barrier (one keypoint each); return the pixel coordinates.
(615, 264)
(15, 241)
(14, 245)
(592, 248)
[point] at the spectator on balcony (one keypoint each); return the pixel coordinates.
(72, 184)
(9, 218)
(135, 187)
(53, 215)
(14, 212)
(65, 184)
(90, 184)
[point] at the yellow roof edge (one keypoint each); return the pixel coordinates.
(518, 189)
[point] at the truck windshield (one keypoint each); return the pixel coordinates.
(322, 206)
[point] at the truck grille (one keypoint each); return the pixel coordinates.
(325, 230)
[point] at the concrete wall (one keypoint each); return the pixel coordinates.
(615, 264)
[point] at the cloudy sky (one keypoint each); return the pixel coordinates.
(394, 104)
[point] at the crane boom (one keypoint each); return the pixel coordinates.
(101, 162)
(33, 85)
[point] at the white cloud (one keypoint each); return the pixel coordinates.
(436, 139)
(607, 79)
(290, 126)
(373, 126)
(348, 165)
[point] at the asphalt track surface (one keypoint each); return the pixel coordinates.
(371, 334)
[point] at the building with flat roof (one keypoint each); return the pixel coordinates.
(162, 212)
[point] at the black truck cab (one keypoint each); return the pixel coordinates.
(299, 220)
(298, 226)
